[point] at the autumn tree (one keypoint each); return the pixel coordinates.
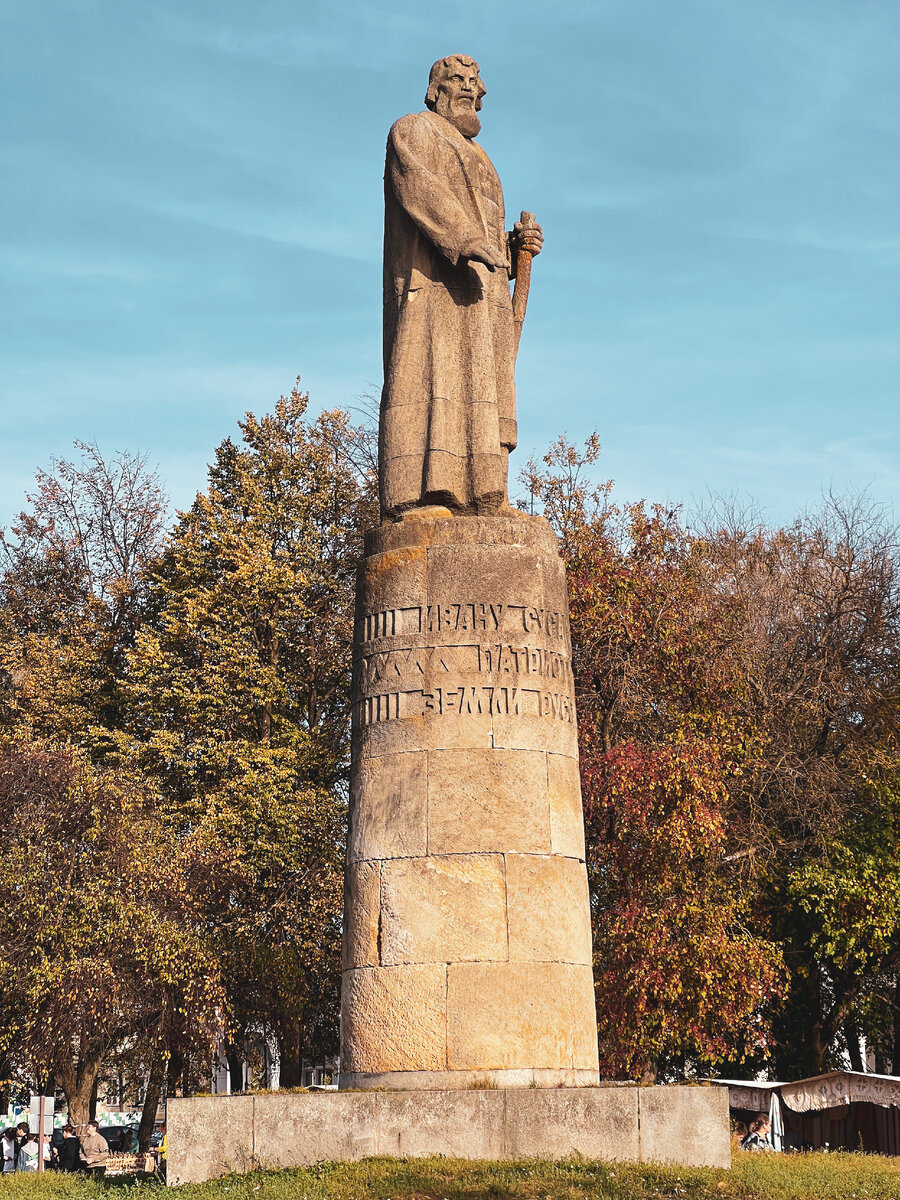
(664, 728)
(239, 693)
(738, 707)
(102, 934)
(72, 586)
(820, 603)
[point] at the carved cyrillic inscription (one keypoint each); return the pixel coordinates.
(395, 665)
(466, 700)
(392, 622)
(495, 671)
(465, 618)
(503, 658)
(524, 660)
(485, 617)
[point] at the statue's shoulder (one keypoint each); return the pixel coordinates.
(416, 127)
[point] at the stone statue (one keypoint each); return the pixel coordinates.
(448, 417)
(467, 934)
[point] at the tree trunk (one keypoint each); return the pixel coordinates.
(851, 1033)
(818, 1047)
(896, 1048)
(151, 1103)
(6, 1074)
(188, 1076)
(175, 1073)
(649, 1071)
(79, 1082)
(235, 1067)
(288, 1033)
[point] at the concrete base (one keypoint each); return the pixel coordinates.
(211, 1136)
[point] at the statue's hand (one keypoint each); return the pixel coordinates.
(529, 238)
(481, 251)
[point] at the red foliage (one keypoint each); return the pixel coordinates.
(664, 727)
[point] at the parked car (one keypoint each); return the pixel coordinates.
(115, 1137)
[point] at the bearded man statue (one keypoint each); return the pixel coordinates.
(448, 408)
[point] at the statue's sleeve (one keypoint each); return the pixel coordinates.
(418, 164)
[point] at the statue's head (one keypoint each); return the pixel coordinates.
(454, 92)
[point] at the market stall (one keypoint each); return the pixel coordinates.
(841, 1110)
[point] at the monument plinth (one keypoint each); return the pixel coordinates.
(468, 946)
(467, 937)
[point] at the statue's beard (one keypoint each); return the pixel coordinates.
(466, 121)
(462, 116)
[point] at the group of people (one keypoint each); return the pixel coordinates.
(758, 1137)
(64, 1151)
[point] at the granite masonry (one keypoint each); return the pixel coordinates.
(209, 1136)
(467, 954)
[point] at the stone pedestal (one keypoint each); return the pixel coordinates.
(467, 945)
(212, 1135)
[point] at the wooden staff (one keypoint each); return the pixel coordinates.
(523, 278)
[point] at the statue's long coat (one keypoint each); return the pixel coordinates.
(448, 405)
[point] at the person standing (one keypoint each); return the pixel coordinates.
(164, 1153)
(28, 1154)
(94, 1151)
(9, 1149)
(68, 1151)
(21, 1134)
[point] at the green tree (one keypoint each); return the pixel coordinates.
(239, 696)
(820, 608)
(102, 934)
(72, 587)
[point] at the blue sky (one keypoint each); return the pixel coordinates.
(192, 217)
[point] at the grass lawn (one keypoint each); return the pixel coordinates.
(753, 1177)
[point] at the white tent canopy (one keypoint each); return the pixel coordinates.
(820, 1092)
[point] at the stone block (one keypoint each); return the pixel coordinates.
(566, 813)
(549, 909)
(421, 669)
(596, 1123)
(394, 1018)
(495, 575)
(513, 1015)
(390, 596)
(426, 732)
(388, 804)
(457, 1124)
(685, 1125)
(300, 1130)
(450, 909)
(487, 800)
(556, 594)
(513, 529)
(393, 579)
(535, 732)
(362, 906)
(209, 1136)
